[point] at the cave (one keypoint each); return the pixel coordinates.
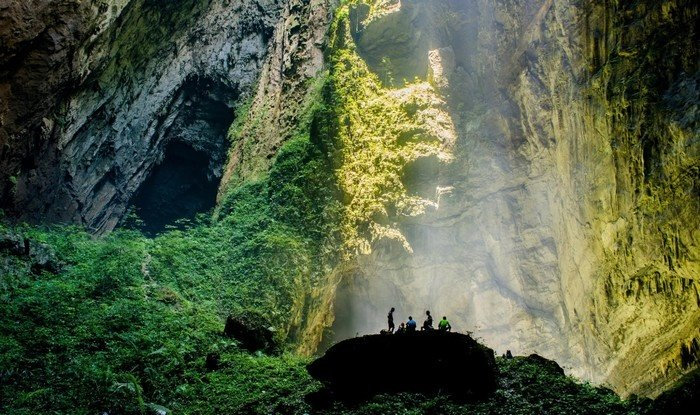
(178, 188)
(186, 179)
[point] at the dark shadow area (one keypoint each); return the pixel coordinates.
(252, 331)
(185, 182)
(421, 176)
(683, 398)
(178, 188)
(423, 362)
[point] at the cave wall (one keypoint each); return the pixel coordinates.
(643, 90)
(105, 86)
(565, 219)
(41, 57)
(280, 104)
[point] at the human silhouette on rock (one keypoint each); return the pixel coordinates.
(428, 323)
(401, 329)
(411, 325)
(444, 325)
(390, 320)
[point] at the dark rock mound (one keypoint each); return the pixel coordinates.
(40, 257)
(683, 398)
(252, 332)
(425, 362)
(549, 365)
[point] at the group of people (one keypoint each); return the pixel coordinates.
(410, 326)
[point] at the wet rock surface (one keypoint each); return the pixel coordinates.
(426, 362)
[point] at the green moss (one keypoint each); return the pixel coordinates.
(130, 320)
(69, 345)
(377, 134)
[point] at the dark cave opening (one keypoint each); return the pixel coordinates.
(178, 188)
(186, 180)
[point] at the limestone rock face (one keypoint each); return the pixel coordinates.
(283, 92)
(94, 93)
(567, 222)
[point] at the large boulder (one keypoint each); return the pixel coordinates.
(549, 365)
(40, 257)
(426, 362)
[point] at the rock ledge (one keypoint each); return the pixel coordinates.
(426, 362)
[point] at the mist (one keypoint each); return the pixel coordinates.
(486, 252)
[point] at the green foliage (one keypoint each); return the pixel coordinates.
(377, 133)
(239, 120)
(254, 384)
(127, 326)
(525, 388)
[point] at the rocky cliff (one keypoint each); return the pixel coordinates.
(98, 94)
(528, 168)
(555, 210)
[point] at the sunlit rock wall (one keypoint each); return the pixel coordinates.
(567, 222)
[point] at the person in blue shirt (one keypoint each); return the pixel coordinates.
(411, 325)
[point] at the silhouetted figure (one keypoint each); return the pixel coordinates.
(444, 325)
(509, 355)
(411, 325)
(390, 320)
(401, 329)
(428, 323)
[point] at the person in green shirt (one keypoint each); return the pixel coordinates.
(444, 325)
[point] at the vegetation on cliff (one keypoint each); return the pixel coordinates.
(379, 131)
(114, 333)
(127, 325)
(130, 321)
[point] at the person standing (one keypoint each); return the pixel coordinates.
(428, 323)
(390, 320)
